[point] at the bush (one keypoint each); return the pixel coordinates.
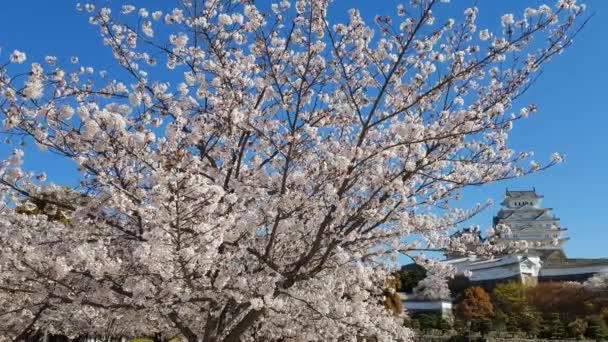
(482, 326)
(432, 321)
(577, 328)
(596, 328)
(553, 327)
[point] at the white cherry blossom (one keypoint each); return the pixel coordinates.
(18, 57)
(254, 174)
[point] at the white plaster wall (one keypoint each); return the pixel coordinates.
(495, 272)
(438, 305)
(500, 268)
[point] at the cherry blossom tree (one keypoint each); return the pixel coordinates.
(252, 173)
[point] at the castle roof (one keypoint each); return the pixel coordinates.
(466, 231)
(505, 214)
(523, 193)
(576, 262)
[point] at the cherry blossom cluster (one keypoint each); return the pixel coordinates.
(252, 173)
(597, 283)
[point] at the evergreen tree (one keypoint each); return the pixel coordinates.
(596, 328)
(530, 321)
(432, 321)
(556, 326)
(577, 328)
(483, 326)
(510, 298)
(409, 276)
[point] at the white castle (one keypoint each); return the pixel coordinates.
(544, 260)
(530, 222)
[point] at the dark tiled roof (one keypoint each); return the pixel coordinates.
(474, 231)
(575, 262)
(522, 193)
(506, 213)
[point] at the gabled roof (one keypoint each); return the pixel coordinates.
(505, 213)
(522, 193)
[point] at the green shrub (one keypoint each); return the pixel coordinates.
(596, 328)
(432, 321)
(577, 328)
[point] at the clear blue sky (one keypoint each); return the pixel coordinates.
(571, 94)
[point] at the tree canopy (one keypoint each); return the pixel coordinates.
(475, 303)
(251, 172)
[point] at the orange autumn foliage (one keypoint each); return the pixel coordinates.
(571, 299)
(475, 303)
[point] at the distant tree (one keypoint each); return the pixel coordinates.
(444, 324)
(571, 300)
(410, 275)
(483, 325)
(475, 303)
(510, 297)
(529, 322)
(514, 311)
(430, 321)
(500, 321)
(597, 283)
(597, 286)
(604, 314)
(432, 287)
(596, 328)
(554, 327)
(577, 328)
(458, 284)
(392, 299)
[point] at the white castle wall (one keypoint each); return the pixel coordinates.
(501, 268)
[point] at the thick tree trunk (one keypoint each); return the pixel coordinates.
(243, 325)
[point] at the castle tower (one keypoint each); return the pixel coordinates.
(523, 213)
(544, 261)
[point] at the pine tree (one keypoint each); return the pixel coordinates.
(556, 326)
